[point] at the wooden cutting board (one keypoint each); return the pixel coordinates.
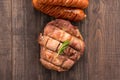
(20, 26)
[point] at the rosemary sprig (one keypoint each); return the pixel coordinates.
(64, 45)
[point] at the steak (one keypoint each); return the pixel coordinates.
(55, 34)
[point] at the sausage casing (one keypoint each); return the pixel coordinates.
(68, 3)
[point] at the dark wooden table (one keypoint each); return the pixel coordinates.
(20, 26)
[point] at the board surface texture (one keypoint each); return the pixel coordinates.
(20, 25)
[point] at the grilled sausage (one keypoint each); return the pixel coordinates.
(67, 3)
(60, 12)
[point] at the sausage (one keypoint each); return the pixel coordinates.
(68, 3)
(60, 12)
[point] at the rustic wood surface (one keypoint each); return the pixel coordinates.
(20, 25)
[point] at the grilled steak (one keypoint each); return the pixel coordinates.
(55, 34)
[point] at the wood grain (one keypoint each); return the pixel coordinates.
(5, 40)
(20, 25)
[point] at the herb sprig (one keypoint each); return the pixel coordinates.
(64, 45)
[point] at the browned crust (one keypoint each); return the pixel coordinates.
(60, 12)
(51, 66)
(59, 61)
(67, 3)
(67, 27)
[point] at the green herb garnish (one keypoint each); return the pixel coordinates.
(64, 45)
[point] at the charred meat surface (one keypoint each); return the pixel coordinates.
(69, 13)
(67, 3)
(55, 34)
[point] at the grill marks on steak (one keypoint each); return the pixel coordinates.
(51, 41)
(62, 35)
(50, 56)
(54, 45)
(60, 61)
(67, 27)
(51, 66)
